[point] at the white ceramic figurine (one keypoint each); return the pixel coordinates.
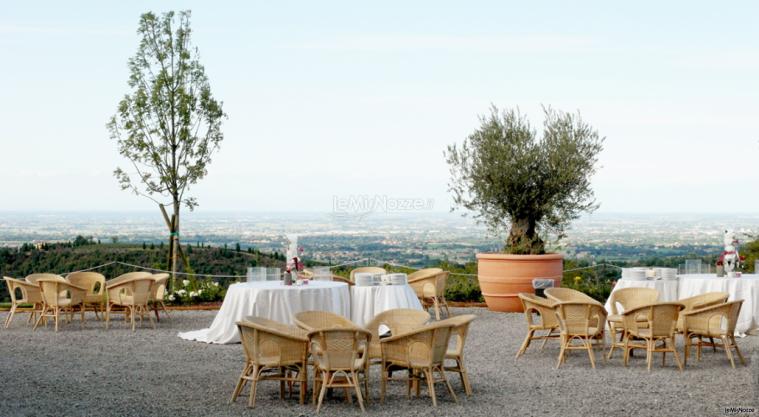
(730, 257)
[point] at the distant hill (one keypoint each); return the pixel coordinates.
(61, 258)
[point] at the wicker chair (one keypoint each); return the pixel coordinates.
(95, 284)
(582, 322)
(660, 322)
(317, 320)
(698, 302)
(30, 294)
(715, 321)
(568, 295)
(273, 352)
(157, 294)
(338, 278)
(628, 298)
(368, 269)
(133, 294)
(422, 352)
(545, 309)
(54, 296)
(461, 331)
(339, 352)
(127, 276)
(33, 278)
(399, 320)
(429, 285)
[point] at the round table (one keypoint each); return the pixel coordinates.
(668, 289)
(368, 301)
(272, 300)
(745, 287)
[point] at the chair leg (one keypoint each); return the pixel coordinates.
(42, 316)
(152, 323)
(464, 376)
(738, 351)
(525, 344)
(430, 386)
(57, 314)
(728, 352)
(649, 352)
(253, 387)
(155, 310)
(545, 339)
(591, 353)
(10, 315)
(677, 356)
(563, 351)
(447, 384)
(240, 383)
(357, 386)
(437, 308)
(627, 350)
(325, 380)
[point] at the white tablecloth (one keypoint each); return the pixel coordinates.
(367, 302)
(668, 290)
(745, 288)
(274, 301)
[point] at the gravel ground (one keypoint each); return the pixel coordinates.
(92, 371)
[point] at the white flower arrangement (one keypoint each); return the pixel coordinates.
(215, 284)
(181, 292)
(171, 297)
(185, 282)
(193, 294)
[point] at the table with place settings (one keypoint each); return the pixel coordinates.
(368, 301)
(272, 300)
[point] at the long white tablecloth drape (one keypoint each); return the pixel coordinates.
(272, 300)
(744, 288)
(667, 289)
(367, 302)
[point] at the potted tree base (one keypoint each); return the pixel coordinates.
(532, 186)
(503, 276)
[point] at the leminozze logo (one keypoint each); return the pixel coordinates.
(363, 205)
(734, 411)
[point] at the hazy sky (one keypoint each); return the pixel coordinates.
(340, 98)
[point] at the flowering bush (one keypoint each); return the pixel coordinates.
(196, 290)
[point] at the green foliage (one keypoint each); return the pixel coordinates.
(64, 258)
(512, 179)
(169, 125)
(193, 290)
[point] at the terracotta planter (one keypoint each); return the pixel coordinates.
(503, 276)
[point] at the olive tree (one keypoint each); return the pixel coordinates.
(513, 179)
(169, 124)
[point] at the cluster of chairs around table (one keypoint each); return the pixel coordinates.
(340, 353)
(49, 295)
(429, 284)
(580, 322)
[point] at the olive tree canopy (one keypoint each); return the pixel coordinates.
(513, 179)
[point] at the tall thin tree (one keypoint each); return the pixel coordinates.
(169, 124)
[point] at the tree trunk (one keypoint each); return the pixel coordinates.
(524, 239)
(175, 237)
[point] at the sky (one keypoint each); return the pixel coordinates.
(331, 100)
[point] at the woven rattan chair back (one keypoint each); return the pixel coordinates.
(33, 278)
(399, 320)
(28, 292)
(661, 318)
(367, 269)
(339, 349)
(567, 295)
(127, 277)
(460, 330)
(632, 297)
(544, 307)
(316, 320)
(52, 290)
(159, 286)
(270, 343)
(580, 318)
(703, 300)
(93, 281)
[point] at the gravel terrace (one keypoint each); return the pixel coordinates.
(94, 372)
